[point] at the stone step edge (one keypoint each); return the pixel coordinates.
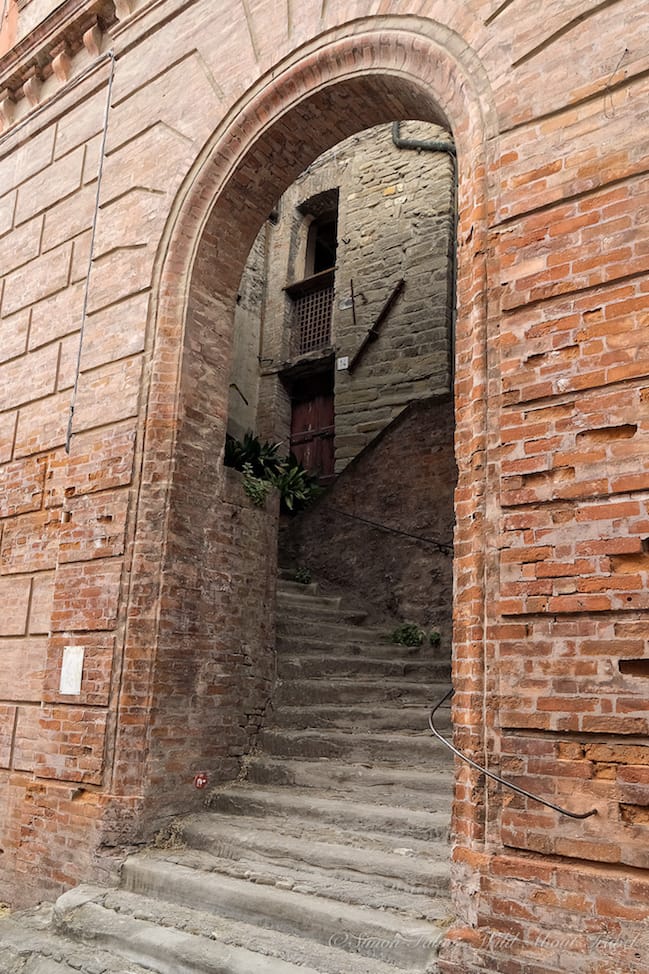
(414, 863)
(327, 808)
(352, 736)
(313, 644)
(297, 599)
(367, 710)
(20, 939)
(434, 687)
(260, 940)
(288, 718)
(370, 661)
(286, 584)
(419, 780)
(295, 614)
(330, 633)
(417, 750)
(398, 898)
(172, 951)
(405, 944)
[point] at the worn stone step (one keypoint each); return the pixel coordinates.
(165, 949)
(430, 823)
(330, 631)
(294, 602)
(332, 856)
(27, 947)
(359, 691)
(286, 572)
(374, 933)
(361, 890)
(326, 958)
(409, 787)
(295, 644)
(313, 618)
(403, 749)
(289, 585)
(304, 667)
(363, 718)
(414, 866)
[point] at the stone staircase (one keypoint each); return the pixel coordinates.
(329, 856)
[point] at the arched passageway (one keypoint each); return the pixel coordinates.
(311, 106)
(106, 550)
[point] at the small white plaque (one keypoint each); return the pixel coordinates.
(342, 363)
(71, 670)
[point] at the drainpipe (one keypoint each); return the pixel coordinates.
(439, 145)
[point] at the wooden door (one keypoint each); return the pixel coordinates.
(312, 426)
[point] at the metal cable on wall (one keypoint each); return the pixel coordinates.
(86, 290)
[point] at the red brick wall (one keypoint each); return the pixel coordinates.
(208, 683)
(544, 916)
(214, 665)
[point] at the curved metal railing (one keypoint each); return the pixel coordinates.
(495, 777)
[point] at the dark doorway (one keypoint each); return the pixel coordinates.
(322, 243)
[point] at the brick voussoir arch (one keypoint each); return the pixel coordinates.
(422, 51)
(415, 68)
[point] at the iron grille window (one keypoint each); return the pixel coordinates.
(312, 320)
(311, 313)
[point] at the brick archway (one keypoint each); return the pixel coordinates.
(103, 558)
(384, 71)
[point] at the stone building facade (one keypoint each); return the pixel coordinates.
(143, 145)
(310, 364)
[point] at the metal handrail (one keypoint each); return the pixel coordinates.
(490, 774)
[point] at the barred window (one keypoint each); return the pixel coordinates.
(311, 313)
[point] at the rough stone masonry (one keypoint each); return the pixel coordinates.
(208, 116)
(394, 215)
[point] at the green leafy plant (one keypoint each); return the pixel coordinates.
(408, 634)
(297, 487)
(434, 637)
(302, 575)
(263, 458)
(263, 467)
(255, 487)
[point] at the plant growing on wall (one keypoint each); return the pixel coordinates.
(263, 458)
(297, 487)
(255, 487)
(263, 468)
(408, 634)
